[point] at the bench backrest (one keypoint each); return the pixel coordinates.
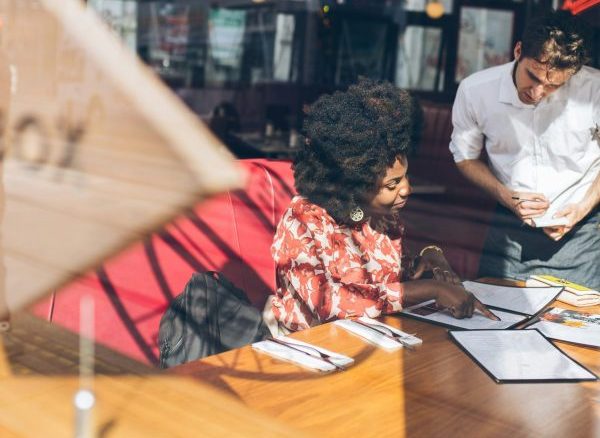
(231, 233)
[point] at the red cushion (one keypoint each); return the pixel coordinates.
(230, 233)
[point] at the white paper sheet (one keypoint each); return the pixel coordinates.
(525, 300)
(426, 311)
(543, 222)
(519, 355)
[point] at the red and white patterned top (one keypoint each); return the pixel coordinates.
(327, 271)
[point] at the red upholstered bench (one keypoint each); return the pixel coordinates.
(230, 233)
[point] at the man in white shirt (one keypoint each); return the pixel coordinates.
(539, 121)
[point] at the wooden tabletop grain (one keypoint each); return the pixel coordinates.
(435, 390)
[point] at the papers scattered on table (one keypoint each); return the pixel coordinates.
(570, 326)
(428, 312)
(513, 305)
(378, 333)
(574, 294)
(519, 356)
(303, 354)
(524, 300)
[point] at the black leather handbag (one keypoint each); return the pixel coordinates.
(210, 316)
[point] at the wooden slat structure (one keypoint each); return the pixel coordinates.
(96, 150)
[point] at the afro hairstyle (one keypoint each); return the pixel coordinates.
(351, 139)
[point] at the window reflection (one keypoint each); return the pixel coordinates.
(419, 5)
(264, 61)
(361, 50)
(485, 39)
(419, 64)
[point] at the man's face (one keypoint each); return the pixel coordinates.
(534, 80)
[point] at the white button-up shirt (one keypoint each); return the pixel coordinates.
(548, 148)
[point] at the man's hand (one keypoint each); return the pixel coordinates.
(574, 213)
(528, 205)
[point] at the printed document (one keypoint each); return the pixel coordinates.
(427, 311)
(570, 326)
(519, 355)
(525, 300)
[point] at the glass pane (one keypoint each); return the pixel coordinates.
(419, 5)
(284, 39)
(121, 16)
(166, 39)
(361, 51)
(485, 40)
(225, 45)
(418, 59)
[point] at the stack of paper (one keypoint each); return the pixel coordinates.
(303, 354)
(574, 294)
(378, 333)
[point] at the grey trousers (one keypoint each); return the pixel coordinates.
(513, 250)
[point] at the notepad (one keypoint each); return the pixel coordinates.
(574, 294)
(544, 222)
(511, 356)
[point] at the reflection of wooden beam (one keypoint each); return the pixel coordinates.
(133, 400)
(179, 128)
(96, 150)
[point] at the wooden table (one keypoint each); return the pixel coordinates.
(37, 385)
(433, 391)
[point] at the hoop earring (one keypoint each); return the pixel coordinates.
(356, 214)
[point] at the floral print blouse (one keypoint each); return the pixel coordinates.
(327, 271)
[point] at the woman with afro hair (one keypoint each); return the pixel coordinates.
(338, 246)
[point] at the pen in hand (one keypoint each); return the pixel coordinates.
(519, 198)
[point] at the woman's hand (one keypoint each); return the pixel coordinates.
(459, 302)
(448, 296)
(434, 261)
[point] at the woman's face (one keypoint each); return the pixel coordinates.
(394, 188)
